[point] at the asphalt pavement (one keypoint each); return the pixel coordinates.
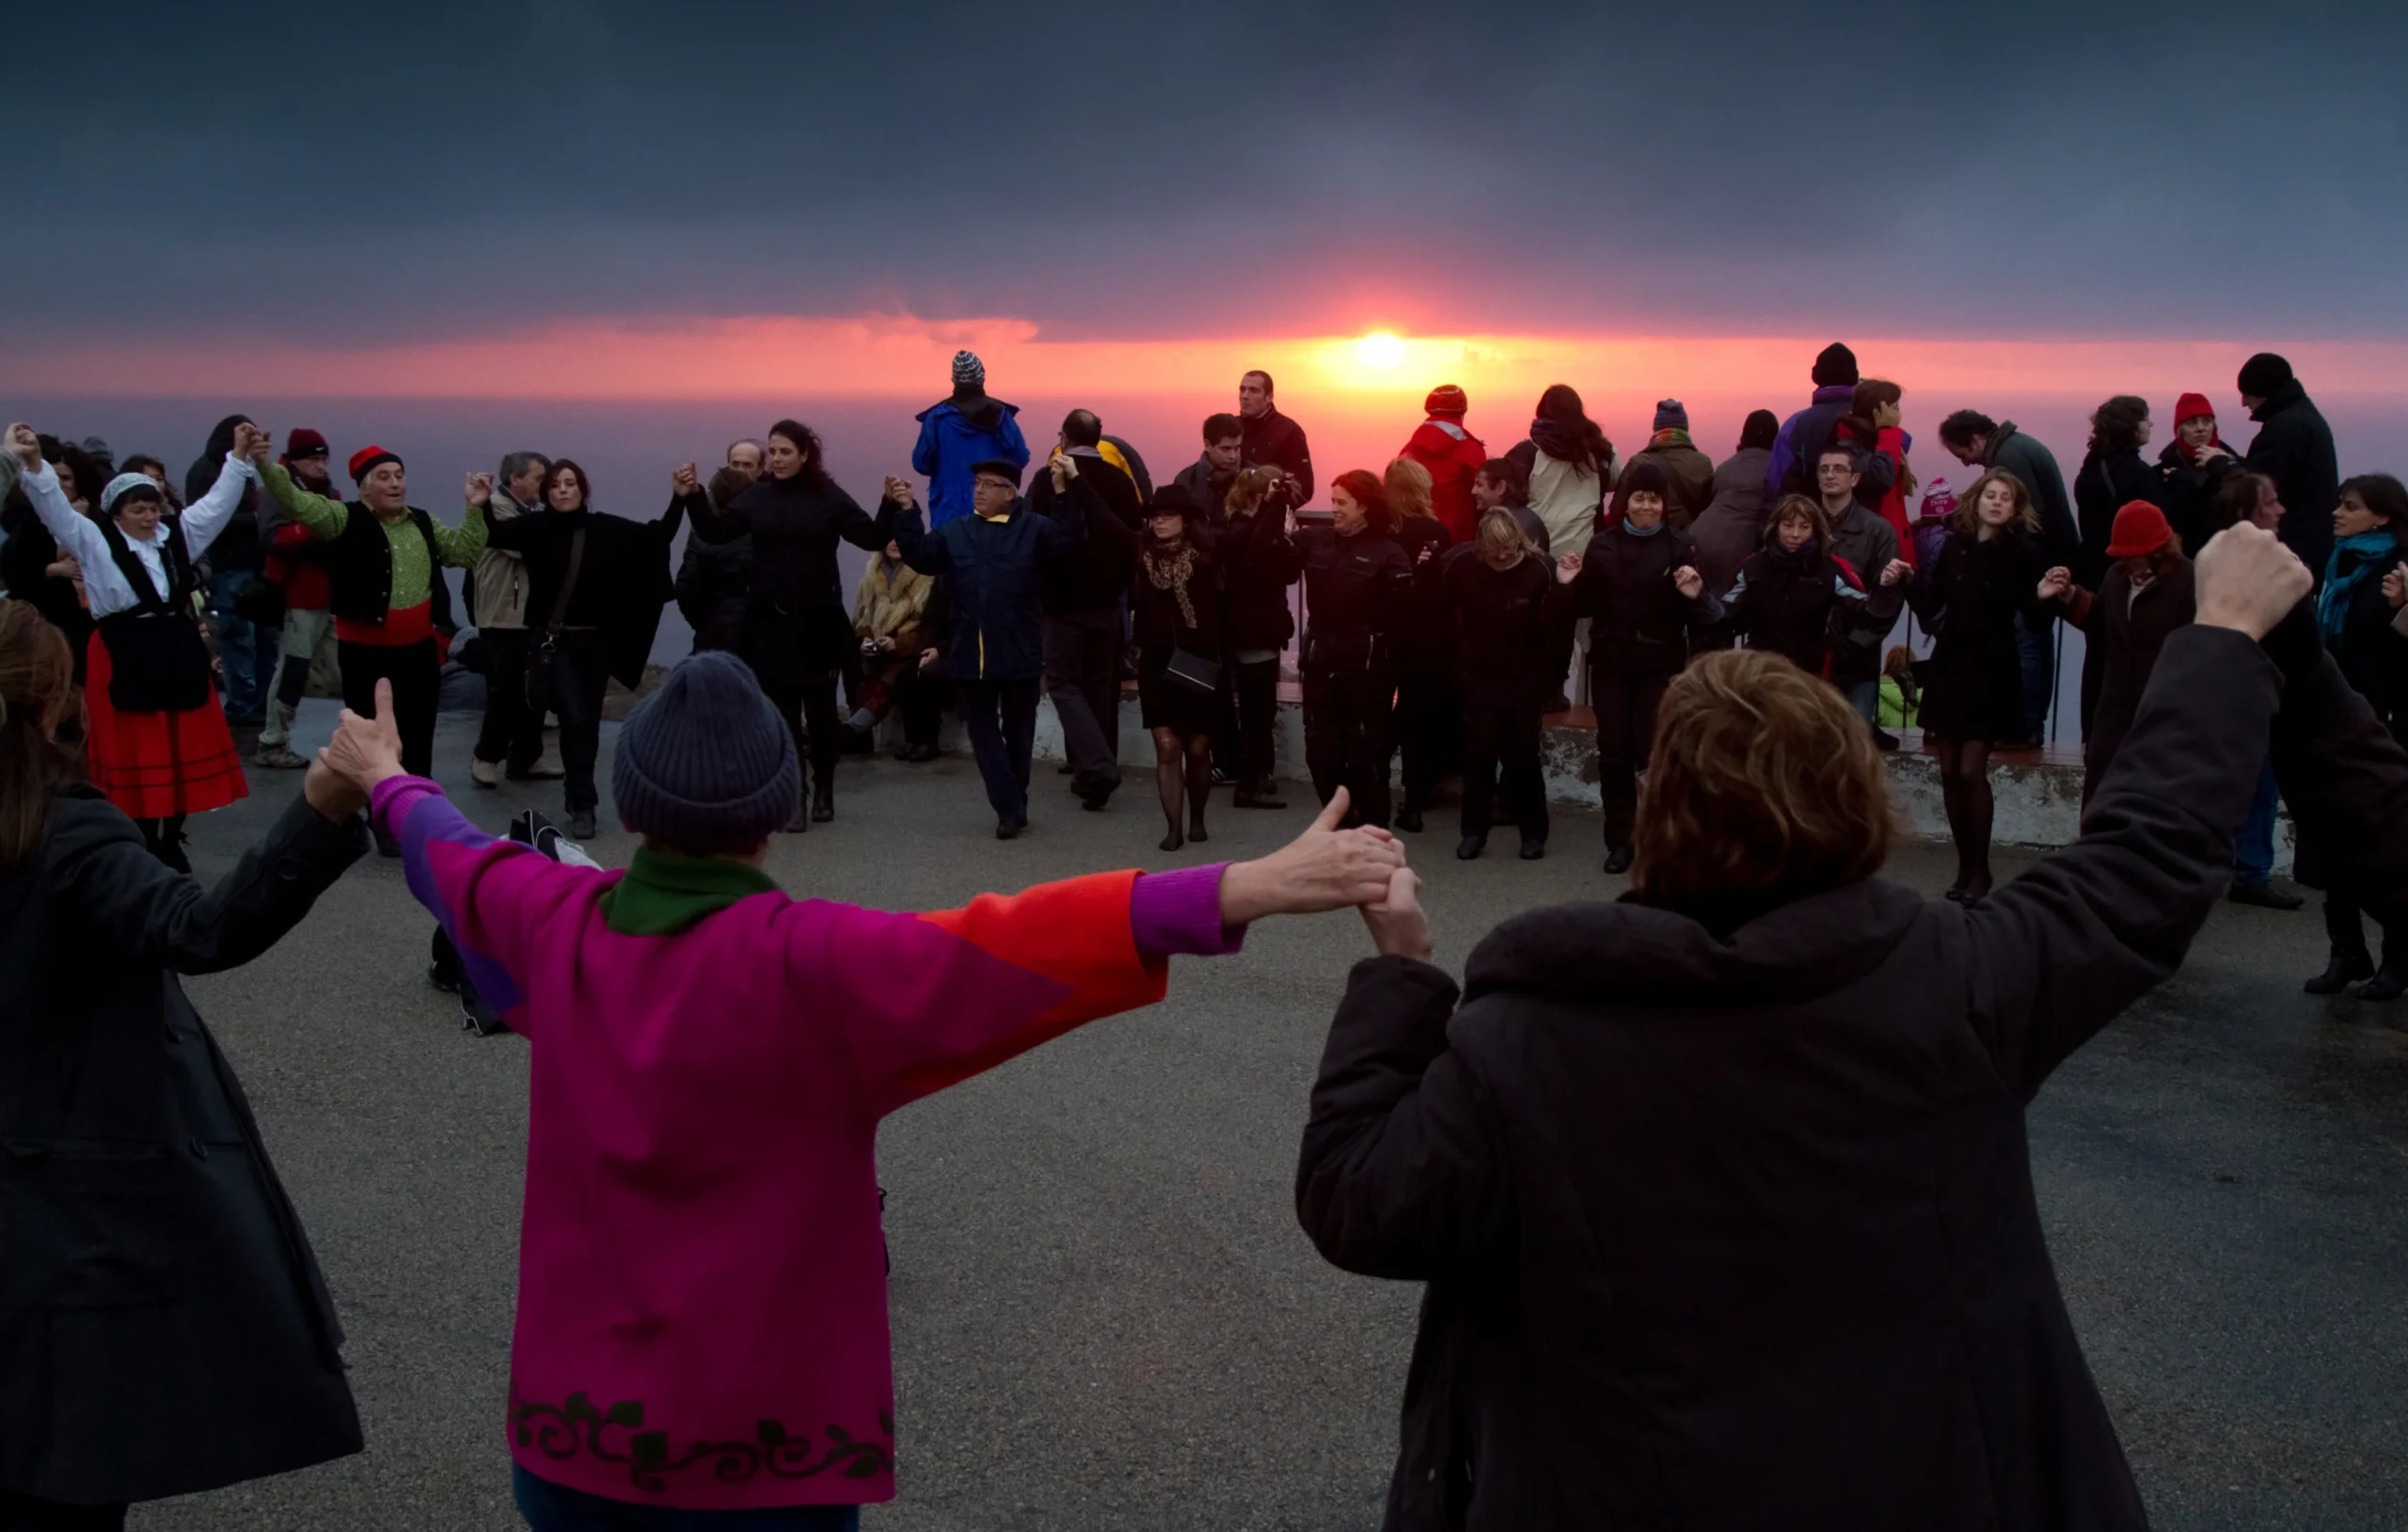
(1104, 1315)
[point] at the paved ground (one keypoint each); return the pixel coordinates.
(1104, 1315)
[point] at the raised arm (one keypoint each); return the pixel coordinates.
(924, 550)
(2061, 950)
(206, 517)
(1077, 507)
(314, 513)
(75, 534)
(161, 916)
(461, 547)
(712, 523)
(859, 528)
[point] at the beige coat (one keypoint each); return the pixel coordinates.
(501, 578)
(890, 609)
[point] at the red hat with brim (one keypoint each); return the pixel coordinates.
(2140, 528)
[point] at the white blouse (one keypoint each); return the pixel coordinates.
(104, 582)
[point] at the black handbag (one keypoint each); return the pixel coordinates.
(1194, 672)
(543, 655)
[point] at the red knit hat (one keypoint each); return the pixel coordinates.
(2191, 407)
(364, 462)
(302, 442)
(1445, 399)
(2140, 528)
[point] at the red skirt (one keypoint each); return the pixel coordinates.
(156, 765)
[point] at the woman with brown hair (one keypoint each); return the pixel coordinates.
(1721, 1189)
(1988, 573)
(1358, 586)
(1797, 598)
(1873, 422)
(1258, 565)
(1429, 714)
(1504, 643)
(166, 1326)
(1174, 618)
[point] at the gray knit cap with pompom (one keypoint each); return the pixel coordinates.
(705, 764)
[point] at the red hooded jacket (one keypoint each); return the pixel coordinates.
(1453, 456)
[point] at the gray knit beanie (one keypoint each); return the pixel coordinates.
(1670, 415)
(706, 764)
(968, 370)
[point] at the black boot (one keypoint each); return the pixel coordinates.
(1409, 819)
(2350, 964)
(1470, 846)
(1618, 860)
(823, 802)
(2390, 981)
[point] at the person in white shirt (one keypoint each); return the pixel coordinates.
(156, 740)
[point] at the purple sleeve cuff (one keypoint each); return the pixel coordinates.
(389, 801)
(1180, 912)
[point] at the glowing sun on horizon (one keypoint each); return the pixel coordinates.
(1380, 351)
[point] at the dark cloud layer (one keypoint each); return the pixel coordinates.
(432, 169)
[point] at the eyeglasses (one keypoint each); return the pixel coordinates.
(1003, 485)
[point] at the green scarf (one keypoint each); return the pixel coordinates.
(664, 892)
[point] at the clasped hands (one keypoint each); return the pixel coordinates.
(1328, 868)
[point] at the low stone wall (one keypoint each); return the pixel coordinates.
(2038, 805)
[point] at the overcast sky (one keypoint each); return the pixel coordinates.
(434, 170)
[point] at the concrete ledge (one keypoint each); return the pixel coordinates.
(2038, 801)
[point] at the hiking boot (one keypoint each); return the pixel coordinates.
(278, 758)
(1261, 793)
(580, 825)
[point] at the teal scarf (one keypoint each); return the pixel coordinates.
(2353, 558)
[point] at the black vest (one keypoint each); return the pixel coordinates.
(359, 564)
(157, 661)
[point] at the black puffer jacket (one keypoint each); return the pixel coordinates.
(1638, 620)
(1260, 563)
(1357, 590)
(1505, 631)
(1727, 1213)
(163, 1328)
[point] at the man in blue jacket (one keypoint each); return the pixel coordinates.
(992, 563)
(958, 434)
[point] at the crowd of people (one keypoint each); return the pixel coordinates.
(1442, 606)
(1829, 1282)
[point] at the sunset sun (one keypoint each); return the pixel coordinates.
(1380, 351)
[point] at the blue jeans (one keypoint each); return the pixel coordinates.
(554, 1507)
(2253, 852)
(1866, 697)
(247, 652)
(2032, 649)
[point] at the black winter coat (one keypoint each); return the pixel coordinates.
(714, 586)
(1638, 620)
(2127, 635)
(1357, 590)
(623, 577)
(795, 526)
(241, 544)
(1727, 1216)
(1094, 575)
(2370, 651)
(2187, 494)
(1972, 595)
(2105, 486)
(1157, 621)
(1259, 563)
(1505, 631)
(1426, 625)
(25, 557)
(1275, 441)
(2294, 448)
(993, 572)
(1801, 605)
(164, 1327)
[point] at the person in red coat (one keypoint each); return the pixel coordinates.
(1452, 455)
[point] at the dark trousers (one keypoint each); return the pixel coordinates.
(1250, 722)
(580, 676)
(245, 653)
(547, 1507)
(809, 708)
(1347, 720)
(513, 733)
(1083, 676)
(1506, 737)
(24, 1513)
(417, 685)
(1001, 717)
(2034, 649)
(919, 699)
(1428, 724)
(1625, 704)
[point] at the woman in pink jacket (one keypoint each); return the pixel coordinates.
(702, 1299)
